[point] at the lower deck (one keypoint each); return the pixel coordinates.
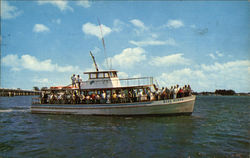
(172, 106)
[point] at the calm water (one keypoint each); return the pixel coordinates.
(219, 127)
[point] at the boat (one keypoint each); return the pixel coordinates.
(105, 94)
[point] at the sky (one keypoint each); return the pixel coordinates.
(204, 44)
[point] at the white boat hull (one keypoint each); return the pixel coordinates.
(179, 106)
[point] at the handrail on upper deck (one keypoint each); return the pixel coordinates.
(128, 81)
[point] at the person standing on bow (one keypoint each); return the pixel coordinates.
(73, 79)
(78, 81)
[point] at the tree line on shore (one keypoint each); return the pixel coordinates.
(220, 92)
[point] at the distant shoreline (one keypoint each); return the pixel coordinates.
(213, 94)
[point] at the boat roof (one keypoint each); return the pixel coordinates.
(105, 71)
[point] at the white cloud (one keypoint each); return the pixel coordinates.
(219, 54)
(122, 75)
(230, 75)
(118, 25)
(174, 24)
(140, 27)
(8, 11)
(229, 65)
(40, 28)
(57, 21)
(92, 29)
(212, 56)
(83, 3)
(40, 80)
(61, 4)
(138, 24)
(216, 55)
(32, 63)
(174, 59)
(182, 77)
(154, 35)
(152, 42)
(129, 57)
(96, 50)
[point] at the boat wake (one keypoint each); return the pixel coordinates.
(13, 110)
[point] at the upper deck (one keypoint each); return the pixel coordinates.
(109, 80)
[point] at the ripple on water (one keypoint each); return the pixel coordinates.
(219, 127)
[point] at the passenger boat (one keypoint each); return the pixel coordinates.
(123, 97)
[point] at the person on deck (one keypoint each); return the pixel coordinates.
(181, 93)
(73, 79)
(114, 98)
(103, 97)
(175, 92)
(78, 81)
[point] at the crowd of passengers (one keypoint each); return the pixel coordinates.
(114, 96)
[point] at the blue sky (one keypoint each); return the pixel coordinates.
(204, 44)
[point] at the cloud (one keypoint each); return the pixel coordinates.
(229, 65)
(83, 3)
(153, 42)
(96, 50)
(128, 58)
(138, 24)
(174, 24)
(118, 25)
(174, 59)
(140, 27)
(8, 11)
(229, 75)
(212, 55)
(32, 63)
(40, 80)
(57, 21)
(92, 29)
(182, 77)
(122, 75)
(219, 54)
(216, 55)
(40, 28)
(61, 4)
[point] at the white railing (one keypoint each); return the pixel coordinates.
(116, 82)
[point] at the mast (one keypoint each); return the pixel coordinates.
(103, 43)
(93, 58)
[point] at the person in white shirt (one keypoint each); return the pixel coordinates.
(73, 79)
(78, 81)
(175, 92)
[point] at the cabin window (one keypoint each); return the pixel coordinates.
(100, 75)
(92, 75)
(114, 74)
(106, 75)
(110, 74)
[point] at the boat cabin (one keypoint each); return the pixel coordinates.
(101, 80)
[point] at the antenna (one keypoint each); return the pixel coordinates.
(93, 58)
(103, 43)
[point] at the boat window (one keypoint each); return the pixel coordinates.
(111, 74)
(114, 74)
(92, 75)
(100, 75)
(106, 75)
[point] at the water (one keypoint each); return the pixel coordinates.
(219, 127)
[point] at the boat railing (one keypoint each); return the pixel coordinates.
(136, 81)
(116, 82)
